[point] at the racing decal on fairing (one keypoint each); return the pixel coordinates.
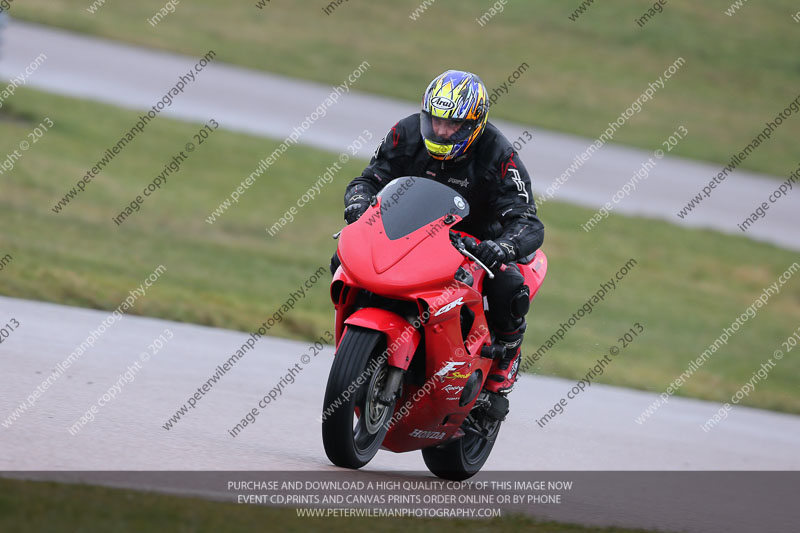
(449, 367)
(450, 306)
(421, 434)
(537, 264)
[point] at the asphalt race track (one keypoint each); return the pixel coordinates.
(596, 431)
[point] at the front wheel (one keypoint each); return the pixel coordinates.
(353, 420)
(463, 458)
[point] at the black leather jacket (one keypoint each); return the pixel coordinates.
(491, 177)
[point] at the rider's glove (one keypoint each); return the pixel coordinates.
(494, 254)
(357, 206)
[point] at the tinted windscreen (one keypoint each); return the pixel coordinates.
(408, 204)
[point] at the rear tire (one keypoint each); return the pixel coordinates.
(463, 458)
(352, 439)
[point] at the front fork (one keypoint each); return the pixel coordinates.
(391, 389)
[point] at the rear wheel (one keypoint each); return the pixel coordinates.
(354, 421)
(463, 458)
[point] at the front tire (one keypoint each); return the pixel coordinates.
(463, 458)
(354, 422)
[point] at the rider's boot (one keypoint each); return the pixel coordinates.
(503, 372)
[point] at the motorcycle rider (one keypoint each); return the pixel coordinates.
(452, 142)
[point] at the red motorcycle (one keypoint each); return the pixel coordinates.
(413, 348)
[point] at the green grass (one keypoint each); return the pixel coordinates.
(27, 506)
(739, 72)
(687, 286)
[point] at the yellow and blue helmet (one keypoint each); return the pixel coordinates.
(454, 100)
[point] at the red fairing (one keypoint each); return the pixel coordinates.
(401, 338)
(343, 295)
(535, 272)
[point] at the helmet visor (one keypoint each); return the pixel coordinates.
(445, 130)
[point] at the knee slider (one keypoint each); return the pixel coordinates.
(520, 302)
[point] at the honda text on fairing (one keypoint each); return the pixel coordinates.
(413, 348)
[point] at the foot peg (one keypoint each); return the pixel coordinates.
(493, 351)
(498, 406)
(501, 353)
